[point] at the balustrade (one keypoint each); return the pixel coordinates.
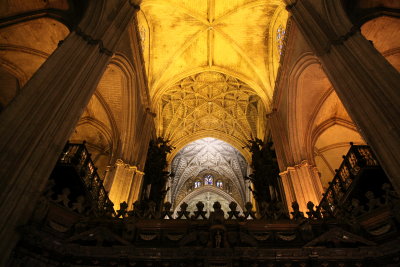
(145, 229)
(358, 159)
(78, 157)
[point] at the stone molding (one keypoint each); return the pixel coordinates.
(302, 183)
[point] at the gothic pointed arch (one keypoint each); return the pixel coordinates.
(209, 158)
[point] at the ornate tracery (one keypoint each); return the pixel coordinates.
(210, 163)
(212, 102)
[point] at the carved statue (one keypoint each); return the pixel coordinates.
(155, 176)
(218, 239)
(311, 213)
(296, 213)
(265, 171)
(122, 212)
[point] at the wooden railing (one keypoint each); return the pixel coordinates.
(78, 156)
(357, 159)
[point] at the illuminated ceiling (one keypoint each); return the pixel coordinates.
(208, 63)
(213, 104)
(209, 156)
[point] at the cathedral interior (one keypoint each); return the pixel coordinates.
(207, 133)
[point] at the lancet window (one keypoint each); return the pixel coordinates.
(280, 37)
(197, 184)
(208, 179)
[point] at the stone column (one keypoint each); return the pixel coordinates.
(36, 125)
(122, 178)
(126, 179)
(145, 133)
(247, 184)
(168, 197)
(284, 156)
(248, 195)
(366, 83)
(280, 139)
(136, 188)
(124, 183)
(302, 183)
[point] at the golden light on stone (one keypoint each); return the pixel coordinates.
(213, 104)
(186, 40)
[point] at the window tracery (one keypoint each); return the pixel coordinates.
(208, 156)
(208, 179)
(197, 184)
(280, 37)
(210, 101)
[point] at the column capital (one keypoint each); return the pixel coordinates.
(127, 165)
(298, 165)
(301, 183)
(92, 41)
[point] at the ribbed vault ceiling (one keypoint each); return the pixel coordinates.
(210, 66)
(208, 156)
(212, 103)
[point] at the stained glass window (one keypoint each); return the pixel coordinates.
(197, 184)
(280, 37)
(219, 184)
(208, 179)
